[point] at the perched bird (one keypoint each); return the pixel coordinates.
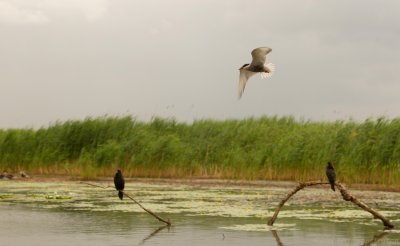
(119, 183)
(23, 174)
(330, 173)
(257, 65)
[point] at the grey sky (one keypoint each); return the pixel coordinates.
(69, 59)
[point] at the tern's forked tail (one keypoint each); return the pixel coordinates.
(270, 67)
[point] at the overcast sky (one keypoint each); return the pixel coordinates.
(69, 59)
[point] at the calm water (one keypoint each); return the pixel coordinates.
(70, 213)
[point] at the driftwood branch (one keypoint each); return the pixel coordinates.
(96, 185)
(148, 211)
(345, 195)
(167, 222)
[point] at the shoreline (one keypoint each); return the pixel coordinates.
(204, 182)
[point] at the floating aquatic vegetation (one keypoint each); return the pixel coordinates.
(262, 227)
(229, 202)
(393, 231)
(5, 196)
(57, 197)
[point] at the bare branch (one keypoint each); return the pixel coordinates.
(167, 222)
(345, 195)
(95, 185)
(148, 211)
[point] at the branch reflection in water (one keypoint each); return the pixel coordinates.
(378, 237)
(154, 233)
(277, 239)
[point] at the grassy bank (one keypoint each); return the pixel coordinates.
(255, 148)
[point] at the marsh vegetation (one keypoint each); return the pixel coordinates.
(273, 148)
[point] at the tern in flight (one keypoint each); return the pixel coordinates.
(257, 65)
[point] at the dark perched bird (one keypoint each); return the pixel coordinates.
(23, 174)
(119, 183)
(330, 173)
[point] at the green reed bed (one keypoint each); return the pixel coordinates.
(276, 148)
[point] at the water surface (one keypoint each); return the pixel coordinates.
(71, 213)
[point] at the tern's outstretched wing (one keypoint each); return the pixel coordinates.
(259, 56)
(243, 77)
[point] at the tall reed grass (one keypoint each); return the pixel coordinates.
(275, 148)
